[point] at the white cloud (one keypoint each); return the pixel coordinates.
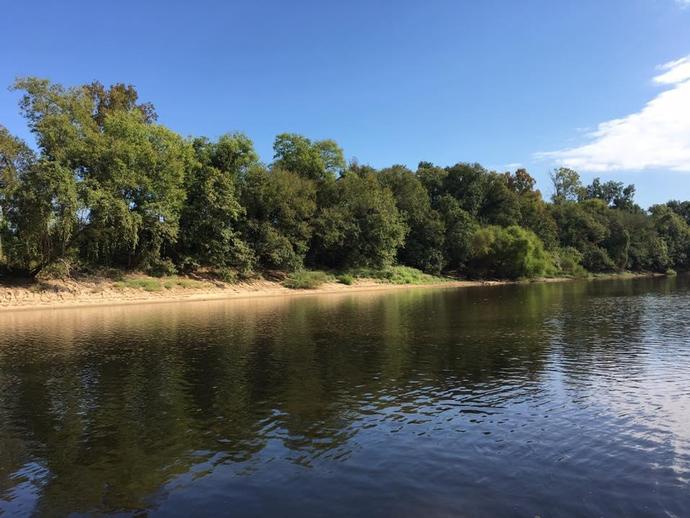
(683, 3)
(658, 136)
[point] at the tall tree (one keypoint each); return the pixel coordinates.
(566, 185)
(362, 228)
(313, 160)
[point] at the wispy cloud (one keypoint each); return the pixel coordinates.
(658, 136)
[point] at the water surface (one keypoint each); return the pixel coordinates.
(552, 400)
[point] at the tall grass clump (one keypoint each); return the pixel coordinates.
(306, 280)
(396, 275)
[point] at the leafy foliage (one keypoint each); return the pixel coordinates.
(107, 186)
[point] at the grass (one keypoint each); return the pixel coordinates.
(346, 278)
(397, 275)
(306, 280)
(156, 284)
(146, 284)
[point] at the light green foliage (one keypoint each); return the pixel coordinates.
(42, 216)
(396, 275)
(157, 284)
(675, 233)
(313, 160)
(568, 261)
(146, 284)
(566, 185)
(306, 280)
(510, 252)
(129, 171)
(346, 279)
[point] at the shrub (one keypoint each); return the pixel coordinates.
(60, 269)
(162, 268)
(306, 280)
(346, 278)
(568, 262)
(397, 275)
(510, 252)
(228, 275)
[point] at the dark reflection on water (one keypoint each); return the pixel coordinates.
(548, 400)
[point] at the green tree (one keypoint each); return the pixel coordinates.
(675, 233)
(15, 159)
(362, 228)
(613, 193)
(279, 205)
(212, 213)
(467, 183)
(42, 217)
(566, 185)
(313, 160)
(423, 248)
(129, 171)
(459, 227)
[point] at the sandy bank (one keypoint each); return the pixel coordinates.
(56, 294)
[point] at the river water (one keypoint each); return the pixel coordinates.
(546, 399)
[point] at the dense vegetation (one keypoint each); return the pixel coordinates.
(107, 186)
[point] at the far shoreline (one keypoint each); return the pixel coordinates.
(80, 294)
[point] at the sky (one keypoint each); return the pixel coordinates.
(599, 86)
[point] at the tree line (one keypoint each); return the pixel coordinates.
(108, 186)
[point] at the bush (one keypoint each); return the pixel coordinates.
(346, 279)
(568, 262)
(510, 253)
(60, 269)
(228, 275)
(596, 259)
(162, 268)
(397, 275)
(306, 280)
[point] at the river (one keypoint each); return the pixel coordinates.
(544, 399)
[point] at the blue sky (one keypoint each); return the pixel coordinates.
(497, 82)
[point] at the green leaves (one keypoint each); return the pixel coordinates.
(109, 186)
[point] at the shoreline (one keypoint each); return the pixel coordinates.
(101, 293)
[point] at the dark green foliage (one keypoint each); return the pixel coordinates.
(279, 208)
(423, 247)
(212, 212)
(109, 187)
(613, 193)
(459, 229)
(362, 228)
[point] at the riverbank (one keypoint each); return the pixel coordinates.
(100, 291)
